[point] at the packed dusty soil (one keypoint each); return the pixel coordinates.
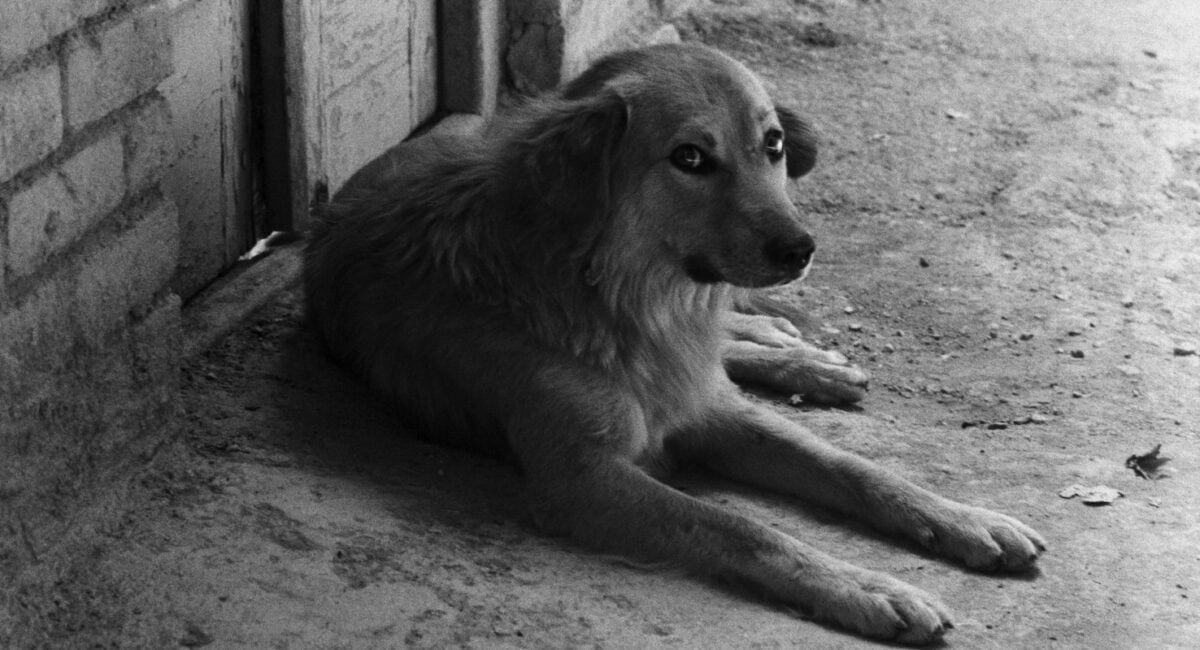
(1008, 213)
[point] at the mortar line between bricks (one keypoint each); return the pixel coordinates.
(130, 211)
(52, 49)
(76, 141)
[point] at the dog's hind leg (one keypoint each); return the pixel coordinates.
(769, 351)
(756, 446)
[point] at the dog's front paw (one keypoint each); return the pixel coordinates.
(828, 378)
(982, 539)
(882, 607)
(801, 369)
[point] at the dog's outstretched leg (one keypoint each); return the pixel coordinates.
(584, 483)
(756, 446)
(769, 351)
(614, 506)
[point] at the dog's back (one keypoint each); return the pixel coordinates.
(519, 236)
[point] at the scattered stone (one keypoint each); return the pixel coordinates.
(849, 309)
(796, 400)
(1185, 350)
(889, 348)
(1077, 354)
(819, 35)
(1100, 495)
(1076, 394)
(1025, 336)
(666, 34)
(1150, 53)
(1129, 371)
(956, 115)
(922, 262)
(194, 637)
(855, 327)
(830, 330)
(506, 628)
(1032, 418)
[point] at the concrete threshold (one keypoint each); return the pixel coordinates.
(230, 300)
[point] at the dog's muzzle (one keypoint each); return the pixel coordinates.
(792, 255)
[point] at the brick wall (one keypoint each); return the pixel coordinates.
(89, 333)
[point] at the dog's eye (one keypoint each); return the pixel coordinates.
(773, 143)
(689, 158)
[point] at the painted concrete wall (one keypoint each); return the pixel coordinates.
(209, 178)
(363, 75)
(551, 41)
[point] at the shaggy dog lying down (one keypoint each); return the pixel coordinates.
(561, 290)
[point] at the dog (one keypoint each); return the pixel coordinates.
(561, 289)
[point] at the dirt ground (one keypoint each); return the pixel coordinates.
(1008, 218)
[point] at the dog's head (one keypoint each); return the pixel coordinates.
(691, 156)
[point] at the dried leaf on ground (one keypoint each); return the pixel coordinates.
(1148, 465)
(1099, 495)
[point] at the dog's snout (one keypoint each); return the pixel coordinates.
(791, 254)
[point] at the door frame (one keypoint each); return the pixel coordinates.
(468, 72)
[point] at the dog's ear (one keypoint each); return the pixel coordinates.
(799, 142)
(571, 147)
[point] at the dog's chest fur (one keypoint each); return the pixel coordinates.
(661, 344)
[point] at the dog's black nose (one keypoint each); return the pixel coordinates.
(792, 254)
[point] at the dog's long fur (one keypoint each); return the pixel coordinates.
(560, 289)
